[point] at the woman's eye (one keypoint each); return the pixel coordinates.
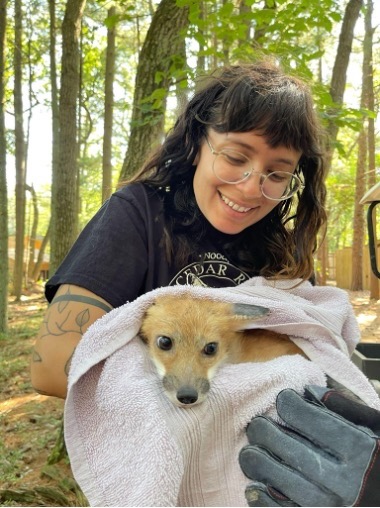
(210, 349)
(278, 176)
(164, 343)
(234, 158)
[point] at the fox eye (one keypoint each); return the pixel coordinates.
(164, 343)
(210, 349)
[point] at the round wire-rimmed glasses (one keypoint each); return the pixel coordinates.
(234, 167)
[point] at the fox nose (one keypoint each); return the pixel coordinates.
(187, 395)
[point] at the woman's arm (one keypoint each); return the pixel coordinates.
(70, 313)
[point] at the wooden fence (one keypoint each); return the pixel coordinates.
(342, 266)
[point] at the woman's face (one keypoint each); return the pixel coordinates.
(231, 208)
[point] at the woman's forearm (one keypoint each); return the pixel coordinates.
(69, 315)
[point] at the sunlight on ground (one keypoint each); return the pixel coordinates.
(365, 319)
(15, 402)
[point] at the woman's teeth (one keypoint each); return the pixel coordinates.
(233, 205)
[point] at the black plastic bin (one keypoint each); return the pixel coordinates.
(367, 357)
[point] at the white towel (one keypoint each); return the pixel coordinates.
(130, 446)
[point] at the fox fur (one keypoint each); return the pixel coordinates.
(189, 339)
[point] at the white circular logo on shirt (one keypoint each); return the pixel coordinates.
(213, 271)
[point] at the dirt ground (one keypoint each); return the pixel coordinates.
(30, 423)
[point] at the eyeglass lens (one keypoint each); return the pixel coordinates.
(233, 167)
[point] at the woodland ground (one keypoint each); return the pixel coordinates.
(30, 423)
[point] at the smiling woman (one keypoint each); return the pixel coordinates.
(178, 222)
(181, 220)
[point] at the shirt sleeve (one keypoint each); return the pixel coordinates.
(110, 256)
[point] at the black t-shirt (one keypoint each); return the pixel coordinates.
(120, 254)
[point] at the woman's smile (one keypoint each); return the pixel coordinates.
(235, 206)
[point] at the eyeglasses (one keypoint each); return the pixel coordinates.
(234, 167)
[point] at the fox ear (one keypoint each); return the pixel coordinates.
(249, 311)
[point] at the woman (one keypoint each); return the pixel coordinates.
(236, 190)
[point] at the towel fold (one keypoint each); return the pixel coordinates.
(130, 446)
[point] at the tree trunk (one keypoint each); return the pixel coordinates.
(163, 42)
(374, 282)
(358, 225)
(339, 73)
(64, 214)
(4, 269)
(19, 155)
(33, 233)
(54, 91)
(359, 219)
(108, 109)
(40, 258)
(201, 58)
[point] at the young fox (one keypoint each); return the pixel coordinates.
(189, 338)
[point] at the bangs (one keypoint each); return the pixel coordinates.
(280, 110)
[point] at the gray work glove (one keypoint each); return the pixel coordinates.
(328, 455)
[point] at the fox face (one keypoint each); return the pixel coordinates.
(189, 339)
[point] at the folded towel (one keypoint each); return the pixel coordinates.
(130, 446)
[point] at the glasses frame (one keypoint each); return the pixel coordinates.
(214, 152)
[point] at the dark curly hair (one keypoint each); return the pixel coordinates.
(240, 98)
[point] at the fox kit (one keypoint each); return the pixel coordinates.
(189, 338)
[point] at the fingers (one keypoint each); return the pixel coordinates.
(265, 468)
(290, 448)
(352, 410)
(257, 494)
(322, 427)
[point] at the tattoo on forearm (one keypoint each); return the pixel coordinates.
(83, 299)
(59, 328)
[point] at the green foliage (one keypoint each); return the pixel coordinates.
(285, 29)
(341, 190)
(127, 14)
(300, 35)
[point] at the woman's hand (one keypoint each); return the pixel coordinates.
(328, 455)
(71, 312)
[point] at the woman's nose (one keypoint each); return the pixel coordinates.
(251, 188)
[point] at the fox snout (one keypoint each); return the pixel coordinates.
(184, 364)
(186, 394)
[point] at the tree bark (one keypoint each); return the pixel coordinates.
(358, 224)
(359, 219)
(108, 109)
(374, 282)
(64, 213)
(201, 58)
(54, 91)
(33, 232)
(40, 257)
(339, 73)
(4, 267)
(19, 155)
(163, 42)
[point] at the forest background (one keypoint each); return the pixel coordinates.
(88, 88)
